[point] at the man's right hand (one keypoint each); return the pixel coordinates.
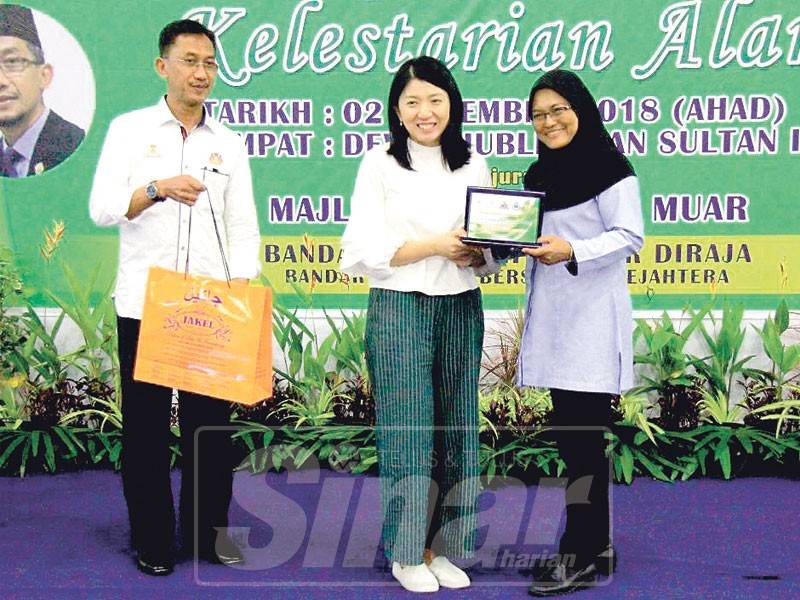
(183, 188)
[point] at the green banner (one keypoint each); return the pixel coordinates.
(702, 95)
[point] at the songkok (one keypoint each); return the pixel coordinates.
(17, 21)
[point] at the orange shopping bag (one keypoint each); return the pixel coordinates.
(203, 335)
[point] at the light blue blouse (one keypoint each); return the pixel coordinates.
(578, 329)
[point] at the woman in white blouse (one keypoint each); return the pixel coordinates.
(424, 323)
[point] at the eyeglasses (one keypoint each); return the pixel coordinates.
(209, 66)
(556, 112)
(16, 64)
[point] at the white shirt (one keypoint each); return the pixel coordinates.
(391, 205)
(146, 145)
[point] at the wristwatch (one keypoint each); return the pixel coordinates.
(151, 191)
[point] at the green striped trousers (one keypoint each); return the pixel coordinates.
(423, 355)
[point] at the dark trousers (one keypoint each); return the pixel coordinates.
(583, 450)
(146, 457)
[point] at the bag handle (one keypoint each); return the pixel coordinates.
(216, 231)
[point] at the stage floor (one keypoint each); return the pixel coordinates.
(316, 534)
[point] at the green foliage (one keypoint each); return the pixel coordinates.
(722, 446)
(512, 409)
(343, 448)
(43, 364)
(11, 412)
(501, 353)
(664, 351)
(666, 370)
(313, 433)
(50, 391)
(97, 356)
(720, 368)
(715, 408)
(717, 450)
(47, 450)
(10, 282)
(511, 421)
(314, 408)
(633, 452)
(102, 413)
(775, 394)
(781, 412)
(518, 455)
(709, 450)
(34, 372)
(13, 338)
(785, 359)
(254, 436)
(348, 345)
(634, 410)
(104, 447)
(61, 410)
(57, 448)
(313, 362)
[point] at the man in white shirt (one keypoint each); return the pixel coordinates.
(178, 185)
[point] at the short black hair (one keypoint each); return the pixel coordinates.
(455, 149)
(182, 27)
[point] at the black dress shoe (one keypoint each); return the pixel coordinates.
(224, 552)
(606, 562)
(152, 565)
(563, 579)
(539, 567)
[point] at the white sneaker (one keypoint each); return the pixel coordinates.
(415, 578)
(447, 574)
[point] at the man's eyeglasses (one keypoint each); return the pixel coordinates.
(15, 65)
(555, 113)
(209, 66)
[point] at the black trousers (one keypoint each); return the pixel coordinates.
(583, 450)
(146, 437)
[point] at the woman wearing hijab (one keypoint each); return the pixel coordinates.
(424, 333)
(577, 339)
